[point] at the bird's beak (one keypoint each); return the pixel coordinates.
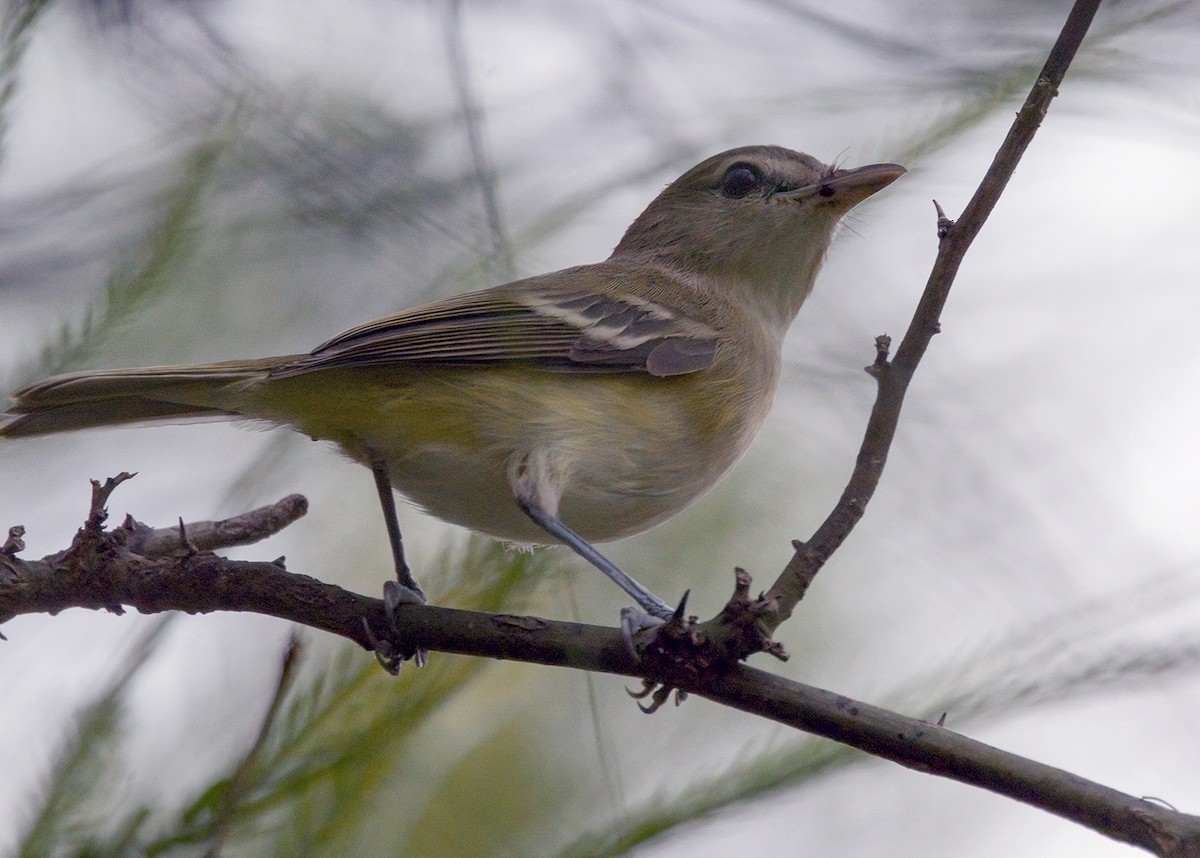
(847, 188)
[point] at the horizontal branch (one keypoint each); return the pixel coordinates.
(101, 570)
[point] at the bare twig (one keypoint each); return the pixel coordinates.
(245, 529)
(894, 376)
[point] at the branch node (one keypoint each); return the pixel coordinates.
(741, 585)
(101, 494)
(679, 618)
(688, 654)
(883, 348)
(184, 542)
(14, 543)
(776, 649)
(944, 224)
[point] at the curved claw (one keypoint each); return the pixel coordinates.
(658, 694)
(388, 659)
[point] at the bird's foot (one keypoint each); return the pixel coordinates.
(635, 621)
(390, 658)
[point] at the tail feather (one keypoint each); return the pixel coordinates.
(82, 400)
(110, 412)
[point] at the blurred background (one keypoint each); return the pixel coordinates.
(193, 181)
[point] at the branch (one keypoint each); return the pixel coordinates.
(102, 570)
(893, 376)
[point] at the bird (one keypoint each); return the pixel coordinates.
(575, 407)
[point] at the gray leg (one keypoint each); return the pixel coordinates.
(388, 501)
(648, 602)
(404, 589)
(535, 484)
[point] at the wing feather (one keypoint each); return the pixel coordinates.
(589, 319)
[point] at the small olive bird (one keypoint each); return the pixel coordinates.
(574, 407)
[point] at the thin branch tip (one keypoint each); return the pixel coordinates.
(14, 544)
(883, 348)
(893, 373)
(741, 584)
(944, 224)
(101, 493)
(680, 614)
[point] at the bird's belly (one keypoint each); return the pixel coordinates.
(606, 494)
(622, 452)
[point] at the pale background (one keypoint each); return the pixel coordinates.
(1033, 546)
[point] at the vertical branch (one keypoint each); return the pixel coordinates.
(957, 237)
(894, 376)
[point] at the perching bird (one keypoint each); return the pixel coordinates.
(575, 407)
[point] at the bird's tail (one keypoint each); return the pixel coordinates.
(81, 400)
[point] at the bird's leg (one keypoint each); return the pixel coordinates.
(531, 484)
(651, 611)
(404, 590)
(646, 600)
(387, 500)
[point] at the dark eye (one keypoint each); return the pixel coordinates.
(739, 180)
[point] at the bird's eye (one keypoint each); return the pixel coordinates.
(739, 180)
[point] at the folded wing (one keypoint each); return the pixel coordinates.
(596, 322)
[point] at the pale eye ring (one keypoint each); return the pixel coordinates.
(739, 180)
